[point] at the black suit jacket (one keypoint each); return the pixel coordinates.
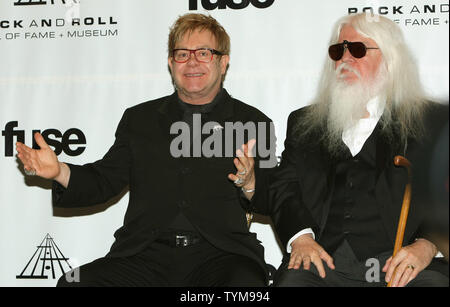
(161, 185)
(307, 175)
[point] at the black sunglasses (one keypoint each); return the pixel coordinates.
(357, 49)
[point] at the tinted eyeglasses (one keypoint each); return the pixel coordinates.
(357, 50)
(204, 55)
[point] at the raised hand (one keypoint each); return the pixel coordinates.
(245, 166)
(41, 162)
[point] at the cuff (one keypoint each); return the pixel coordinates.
(303, 232)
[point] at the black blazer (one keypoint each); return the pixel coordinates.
(307, 174)
(160, 185)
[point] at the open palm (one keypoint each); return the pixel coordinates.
(43, 161)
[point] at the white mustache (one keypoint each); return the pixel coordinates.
(347, 67)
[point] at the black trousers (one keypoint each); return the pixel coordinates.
(350, 272)
(197, 265)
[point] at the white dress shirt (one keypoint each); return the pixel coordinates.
(355, 136)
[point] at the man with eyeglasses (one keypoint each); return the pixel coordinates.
(338, 167)
(184, 225)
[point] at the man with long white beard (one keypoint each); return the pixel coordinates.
(338, 164)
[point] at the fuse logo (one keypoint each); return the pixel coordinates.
(231, 4)
(70, 142)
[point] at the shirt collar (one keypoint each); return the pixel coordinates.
(375, 107)
(355, 136)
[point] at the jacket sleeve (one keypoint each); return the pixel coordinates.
(97, 182)
(279, 194)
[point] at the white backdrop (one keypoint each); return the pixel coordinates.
(55, 75)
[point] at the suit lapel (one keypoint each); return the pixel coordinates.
(330, 178)
(383, 151)
(224, 110)
(320, 169)
(169, 109)
(388, 208)
(167, 114)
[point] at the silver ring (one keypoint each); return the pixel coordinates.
(239, 181)
(243, 172)
(30, 173)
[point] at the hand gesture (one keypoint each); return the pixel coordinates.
(245, 165)
(41, 162)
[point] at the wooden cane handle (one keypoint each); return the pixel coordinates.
(402, 161)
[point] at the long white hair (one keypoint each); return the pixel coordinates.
(405, 98)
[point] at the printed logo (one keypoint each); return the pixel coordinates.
(231, 4)
(46, 260)
(425, 14)
(68, 25)
(61, 142)
(42, 2)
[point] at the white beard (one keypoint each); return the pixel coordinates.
(349, 102)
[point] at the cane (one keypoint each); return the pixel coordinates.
(402, 161)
